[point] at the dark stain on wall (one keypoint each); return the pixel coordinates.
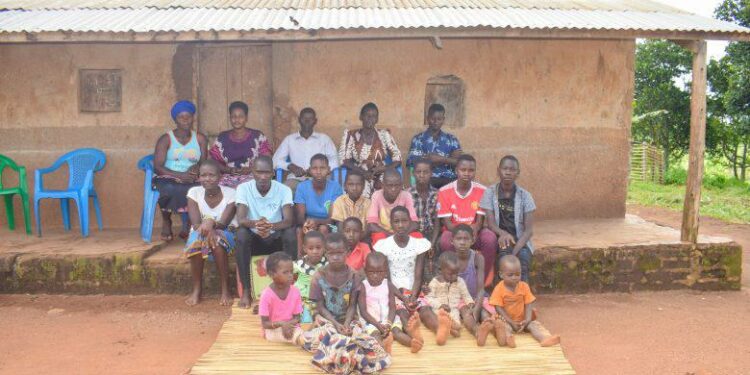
(182, 71)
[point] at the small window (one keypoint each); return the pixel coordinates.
(100, 90)
(449, 91)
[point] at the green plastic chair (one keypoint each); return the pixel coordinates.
(8, 193)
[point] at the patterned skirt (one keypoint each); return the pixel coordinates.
(335, 353)
(197, 244)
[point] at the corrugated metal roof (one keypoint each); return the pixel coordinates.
(613, 5)
(156, 16)
(178, 19)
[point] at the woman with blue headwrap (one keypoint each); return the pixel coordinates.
(176, 159)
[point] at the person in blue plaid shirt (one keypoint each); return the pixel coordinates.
(437, 146)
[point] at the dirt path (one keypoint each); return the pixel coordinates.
(679, 332)
(104, 334)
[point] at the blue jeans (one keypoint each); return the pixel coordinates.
(524, 255)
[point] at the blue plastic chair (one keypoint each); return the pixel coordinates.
(150, 197)
(82, 164)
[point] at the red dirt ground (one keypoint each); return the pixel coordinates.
(679, 332)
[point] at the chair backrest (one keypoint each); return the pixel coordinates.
(146, 163)
(81, 161)
(6, 162)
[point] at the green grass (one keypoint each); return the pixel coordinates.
(721, 198)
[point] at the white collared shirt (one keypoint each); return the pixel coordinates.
(298, 150)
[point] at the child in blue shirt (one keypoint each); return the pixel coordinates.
(313, 199)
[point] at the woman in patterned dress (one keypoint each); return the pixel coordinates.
(236, 149)
(366, 149)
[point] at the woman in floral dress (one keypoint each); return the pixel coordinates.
(366, 149)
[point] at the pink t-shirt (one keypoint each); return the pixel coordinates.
(277, 309)
(380, 209)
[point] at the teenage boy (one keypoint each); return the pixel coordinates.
(313, 199)
(458, 203)
(353, 203)
(383, 201)
(440, 148)
(510, 213)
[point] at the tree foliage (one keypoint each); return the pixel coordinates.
(662, 102)
(729, 100)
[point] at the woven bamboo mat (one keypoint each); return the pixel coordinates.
(239, 349)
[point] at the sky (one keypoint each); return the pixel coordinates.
(703, 8)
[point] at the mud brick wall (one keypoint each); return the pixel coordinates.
(633, 268)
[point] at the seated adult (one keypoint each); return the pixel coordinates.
(313, 199)
(175, 165)
(264, 216)
(437, 146)
(383, 202)
(458, 203)
(366, 149)
(296, 149)
(510, 210)
(236, 149)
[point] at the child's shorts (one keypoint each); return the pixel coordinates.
(485, 305)
(421, 301)
(371, 329)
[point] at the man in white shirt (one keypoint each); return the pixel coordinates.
(296, 149)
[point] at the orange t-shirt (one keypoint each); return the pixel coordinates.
(514, 303)
(356, 259)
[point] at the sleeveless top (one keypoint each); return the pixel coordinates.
(337, 299)
(376, 299)
(470, 275)
(181, 157)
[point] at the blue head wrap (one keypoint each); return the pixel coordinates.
(182, 106)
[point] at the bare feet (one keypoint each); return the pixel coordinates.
(550, 341)
(388, 343)
(499, 327)
(511, 341)
(456, 329)
(413, 328)
(226, 299)
(244, 300)
(416, 345)
(483, 331)
(194, 298)
(444, 327)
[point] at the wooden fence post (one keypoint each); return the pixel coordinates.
(691, 209)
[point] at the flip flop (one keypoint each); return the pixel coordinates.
(183, 235)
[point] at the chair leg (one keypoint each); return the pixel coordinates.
(98, 212)
(37, 218)
(83, 215)
(9, 211)
(65, 208)
(26, 214)
(147, 225)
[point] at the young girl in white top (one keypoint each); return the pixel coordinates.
(405, 263)
(211, 209)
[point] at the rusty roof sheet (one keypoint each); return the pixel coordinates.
(608, 5)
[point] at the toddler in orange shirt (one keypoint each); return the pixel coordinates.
(514, 304)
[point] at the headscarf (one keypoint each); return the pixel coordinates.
(182, 106)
